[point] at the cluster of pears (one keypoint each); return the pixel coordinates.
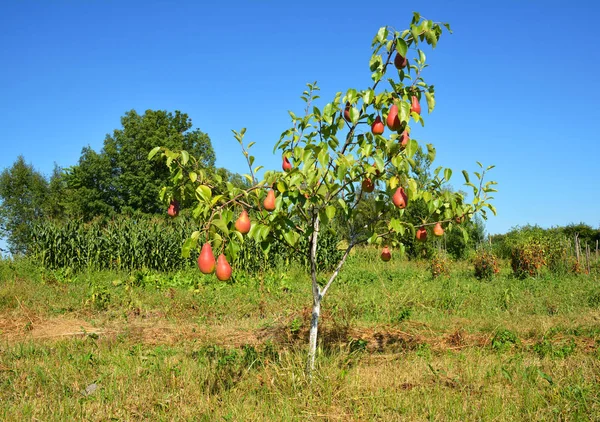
(221, 268)
(420, 235)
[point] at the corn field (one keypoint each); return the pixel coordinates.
(154, 243)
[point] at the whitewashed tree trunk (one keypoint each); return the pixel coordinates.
(314, 320)
(314, 330)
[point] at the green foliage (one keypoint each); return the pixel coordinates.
(153, 243)
(332, 153)
(24, 195)
(485, 264)
(504, 339)
(119, 178)
(546, 348)
(532, 249)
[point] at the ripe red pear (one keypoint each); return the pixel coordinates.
(368, 185)
(438, 230)
(243, 223)
(421, 234)
(377, 127)
(386, 255)
(404, 139)
(459, 220)
(269, 202)
(223, 270)
(415, 106)
(392, 121)
(286, 166)
(206, 259)
(347, 112)
(173, 210)
(400, 62)
(400, 199)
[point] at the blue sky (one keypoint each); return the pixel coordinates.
(516, 83)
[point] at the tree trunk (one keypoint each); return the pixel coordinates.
(316, 290)
(314, 330)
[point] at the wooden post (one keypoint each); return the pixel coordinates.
(587, 257)
(577, 247)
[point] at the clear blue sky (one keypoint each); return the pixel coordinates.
(517, 83)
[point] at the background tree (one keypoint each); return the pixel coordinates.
(332, 157)
(24, 192)
(119, 178)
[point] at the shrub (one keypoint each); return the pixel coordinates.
(528, 259)
(439, 265)
(485, 265)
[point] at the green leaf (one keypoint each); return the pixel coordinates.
(431, 152)
(466, 175)
(382, 34)
(185, 157)
(330, 211)
(368, 96)
(187, 247)
(248, 178)
(411, 148)
(375, 63)
(401, 47)
(220, 224)
(447, 174)
(291, 237)
(193, 176)
(379, 162)
(205, 192)
(354, 114)
(152, 153)
(430, 101)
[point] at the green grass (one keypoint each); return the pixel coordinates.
(396, 344)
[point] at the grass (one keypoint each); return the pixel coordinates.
(396, 344)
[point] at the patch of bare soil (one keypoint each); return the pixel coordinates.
(155, 328)
(18, 329)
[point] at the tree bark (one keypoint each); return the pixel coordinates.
(316, 290)
(314, 330)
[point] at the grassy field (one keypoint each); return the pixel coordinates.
(396, 344)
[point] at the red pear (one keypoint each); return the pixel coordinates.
(421, 234)
(386, 255)
(286, 166)
(400, 199)
(393, 122)
(269, 202)
(173, 210)
(438, 230)
(368, 185)
(459, 220)
(400, 62)
(347, 112)
(206, 259)
(243, 223)
(377, 126)
(404, 139)
(223, 270)
(415, 106)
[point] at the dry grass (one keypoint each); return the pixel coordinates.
(403, 347)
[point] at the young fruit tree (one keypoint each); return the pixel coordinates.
(355, 148)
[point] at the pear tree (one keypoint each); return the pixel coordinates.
(334, 157)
